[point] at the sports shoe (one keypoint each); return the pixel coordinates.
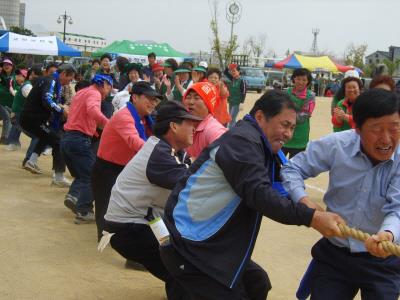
(32, 167)
(47, 151)
(70, 202)
(24, 163)
(133, 265)
(84, 218)
(13, 147)
(63, 183)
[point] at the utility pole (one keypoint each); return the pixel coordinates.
(314, 47)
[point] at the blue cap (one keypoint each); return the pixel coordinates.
(99, 79)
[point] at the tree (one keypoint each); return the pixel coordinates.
(246, 49)
(257, 46)
(229, 49)
(391, 66)
(23, 31)
(370, 70)
(223, 50)
(355, 55)
(216, 43)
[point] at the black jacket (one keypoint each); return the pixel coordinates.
(42, 100)
(214, 213)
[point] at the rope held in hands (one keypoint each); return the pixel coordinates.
(389, 247)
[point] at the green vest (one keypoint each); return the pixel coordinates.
(301, 133)
(346, 125)
(19, 99)
(177, 94)
(235, 96)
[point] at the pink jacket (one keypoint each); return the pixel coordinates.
(120, 140)
(85, 113)
(206, 132)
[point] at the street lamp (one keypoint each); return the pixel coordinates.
(64, 18)
(233, 14)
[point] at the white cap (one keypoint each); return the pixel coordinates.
(351, 73)
(203, 64)
(120, 99)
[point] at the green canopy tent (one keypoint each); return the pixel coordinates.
(137, 51)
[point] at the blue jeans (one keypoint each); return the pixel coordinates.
(5, 116)
(79, 157)
(233, 111)
(15, 132)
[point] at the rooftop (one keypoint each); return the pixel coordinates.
(82, 35)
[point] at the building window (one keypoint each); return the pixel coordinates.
(376, 55)
(370, 61)
(377, 61)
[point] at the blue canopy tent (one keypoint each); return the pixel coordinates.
(42, 45)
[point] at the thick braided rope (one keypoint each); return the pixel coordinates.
(362, 236)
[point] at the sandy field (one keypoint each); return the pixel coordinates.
(44, 255)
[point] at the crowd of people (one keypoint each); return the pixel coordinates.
(178, 187)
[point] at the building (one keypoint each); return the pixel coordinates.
(13, 13)
(83, 43)
(376, 57)
(22, 8)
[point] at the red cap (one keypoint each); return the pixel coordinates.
(232, 66)
(207, 92)
(157, 67)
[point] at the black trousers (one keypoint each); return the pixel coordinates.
(137, 242)
(104, 175)
(292, 152)
(46, 136)
(340, 274)
(254, 284)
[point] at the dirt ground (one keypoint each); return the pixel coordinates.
(44, 255)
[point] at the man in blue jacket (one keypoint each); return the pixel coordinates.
(215, 211)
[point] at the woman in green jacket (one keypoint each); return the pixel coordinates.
(342, 118)
(7, 80)
(304, 99)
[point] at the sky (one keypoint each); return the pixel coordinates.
(185, 24)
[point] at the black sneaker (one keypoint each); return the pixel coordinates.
(133, 265)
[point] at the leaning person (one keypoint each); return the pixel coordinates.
(200, 99)
(84, 117)
(143, 187)
(364, 169)
(214, 212)
(41, 108)
(122, 138)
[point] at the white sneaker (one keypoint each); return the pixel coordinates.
(47, 151)
(32, 167)
(63, 183)
(13, 147)
(84, 218)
